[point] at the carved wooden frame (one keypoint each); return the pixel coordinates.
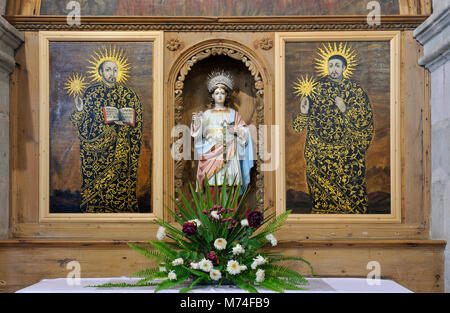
(208, 24)
(395, 124)
(185, 63)
(44, 135)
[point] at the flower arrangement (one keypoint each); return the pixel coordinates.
(217, 242)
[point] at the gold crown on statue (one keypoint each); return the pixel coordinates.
(219, 77)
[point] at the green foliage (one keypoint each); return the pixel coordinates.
(195, 248)
(274, 225)
(151, 254)
(166, 284)
(243, 284)
(123, 285)
(282, 271)
(146, 272)
(195, 282)
(164, 249)
(283, 258)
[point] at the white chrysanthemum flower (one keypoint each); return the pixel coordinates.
(194, 266)
(205, 265)
(172, 275)
(162, 269)
(272, 239)
(196, 221)
(215, 274)
(238, 249)
(178, 261)
(244, 222)
(215, 215)
(220, 244)
(233, 267)
(259, 260)
(243, 267)
(161, 234)
(260, 276)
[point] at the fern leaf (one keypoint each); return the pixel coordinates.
(290, 258)
(166, 284)
(195, 282)
(285, 284)
(122, 285)
(274, 225)
(145, 272)
(241, 283)
(282, 271)
(271, 286)
(150, 254)
(164, 249)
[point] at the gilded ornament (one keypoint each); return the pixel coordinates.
(266, 43)
(173, 44)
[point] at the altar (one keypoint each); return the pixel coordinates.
(315, 285)
(122, 115)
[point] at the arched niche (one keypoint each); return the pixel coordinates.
(188, 78)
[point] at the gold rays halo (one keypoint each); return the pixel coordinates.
(114, 54)
(75, 85)
(305, 86)
(329, 50)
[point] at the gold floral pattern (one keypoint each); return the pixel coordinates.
(335, 147)
(109, 153)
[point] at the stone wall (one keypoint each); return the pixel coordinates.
(434, 34)
(2, 7)
(10, 39)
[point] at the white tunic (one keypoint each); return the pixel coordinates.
(211, 128)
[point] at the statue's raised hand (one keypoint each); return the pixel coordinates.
(196, 118)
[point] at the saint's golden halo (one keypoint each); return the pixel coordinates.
(75, 85)
(114, 54)
(305, 86)
(329, 50)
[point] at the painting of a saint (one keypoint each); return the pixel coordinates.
(339, 121)
(109, 122)
(101, 124)
(336, 119)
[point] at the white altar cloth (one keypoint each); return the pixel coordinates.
(316, 285)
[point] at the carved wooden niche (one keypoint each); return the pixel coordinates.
(191, 95)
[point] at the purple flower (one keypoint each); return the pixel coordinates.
(212, 256)
(189, 228)
(254, 218)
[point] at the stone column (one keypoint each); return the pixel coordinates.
(10, 39)
(2, 7)
(434, 35)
